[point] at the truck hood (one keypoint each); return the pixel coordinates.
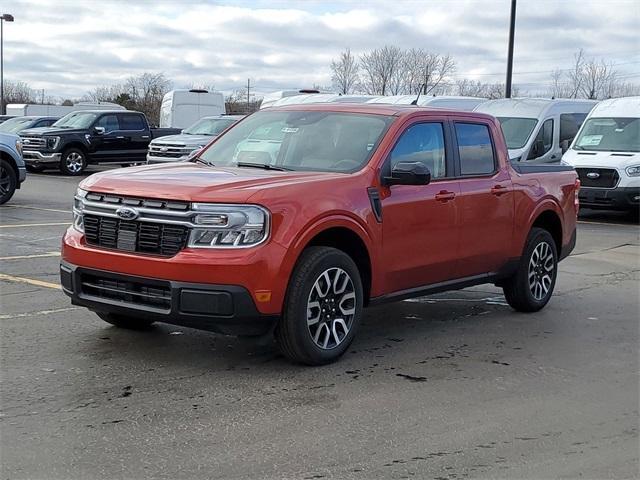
(195, 182)
(51, 131)
(619, 160)
(8, 139)
(184, 139)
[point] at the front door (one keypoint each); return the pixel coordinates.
(420, 222)
(106, 145)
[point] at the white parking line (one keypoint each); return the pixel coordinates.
(37, 255)
(10, 316)
(23, 225)
(30, 207)
(587, 222)
(30, 281)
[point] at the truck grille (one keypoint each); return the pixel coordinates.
(169, 151)
(606, 177)
(138, 291)
(33, 143)
(132, 236)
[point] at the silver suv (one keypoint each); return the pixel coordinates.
(174, 148)
(12, 168)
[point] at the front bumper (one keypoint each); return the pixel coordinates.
(621, 198)
(34, 157)
(226, 309)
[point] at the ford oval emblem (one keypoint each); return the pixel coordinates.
(593, 175)
(127, 213)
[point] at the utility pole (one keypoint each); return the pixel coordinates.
(512, 28)
(5, 17)
(248, 88)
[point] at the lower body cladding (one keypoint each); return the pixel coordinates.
(622, 198)
(226, 309)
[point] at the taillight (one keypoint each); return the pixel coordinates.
(576, 198)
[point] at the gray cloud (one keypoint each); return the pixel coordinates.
(68, 47)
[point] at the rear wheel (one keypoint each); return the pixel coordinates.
(531, 287)
(8, 181)
(323, 307)
(73, 162)
(123, 321)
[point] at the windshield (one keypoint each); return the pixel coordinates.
(209, 126)
(517, 130)
(14, 125)
(76, 120)
(300, 140)
(620, 134)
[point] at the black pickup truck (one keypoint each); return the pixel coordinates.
(90, 136)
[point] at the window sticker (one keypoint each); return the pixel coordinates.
(589, 140)
(290, 130)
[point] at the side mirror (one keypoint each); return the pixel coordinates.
(99, 130)
(409, 173)
(194, 153)
(564, 146)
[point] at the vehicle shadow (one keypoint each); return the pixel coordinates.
(629, 217)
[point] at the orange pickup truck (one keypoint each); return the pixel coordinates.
(297, 218)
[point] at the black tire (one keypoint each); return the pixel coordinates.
(529, 289)
(122, 321)
(35, 168)
(294, 335)
(8, 181)
(73, 162)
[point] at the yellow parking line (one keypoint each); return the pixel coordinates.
(29, 207)
(10, 316)
(35, 225)
(30, 281)
(38, 255)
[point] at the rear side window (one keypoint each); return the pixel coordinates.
(131, 122)
(475, 149)
(570, 123)
(109, 123)
(422, 143)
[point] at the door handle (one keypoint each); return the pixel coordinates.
(120, 137)
(445, 196)
(499, 190)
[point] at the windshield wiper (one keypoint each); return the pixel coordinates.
(200, 160)
(264, 166)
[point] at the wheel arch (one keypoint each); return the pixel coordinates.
(10, 160)
(549, 220)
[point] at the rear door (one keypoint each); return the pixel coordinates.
(485, 199)
(420, 222)
(135, 137)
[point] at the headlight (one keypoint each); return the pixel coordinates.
(78, 209)
(224, 226)
(19, 147)
(52, 142)
(633, 171)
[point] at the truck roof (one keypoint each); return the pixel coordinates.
(531, 107)
(378, 109)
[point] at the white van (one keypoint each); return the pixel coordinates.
(182, 108)
(538, 130)
(270, 98)
(606, 155)
(450, 102)
(38, 110)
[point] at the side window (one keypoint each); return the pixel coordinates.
(109, 123)
(570, 123)
(423, 142)
(131, 122)
(475, 149)
(543, 141)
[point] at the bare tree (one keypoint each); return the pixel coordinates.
(576, 74)
(597, 79)
(18, 92)
(146, 92)
(344, 72)
(379, 68)
(471, 88)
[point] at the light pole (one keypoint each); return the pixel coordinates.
(5, 17)
(512, 32)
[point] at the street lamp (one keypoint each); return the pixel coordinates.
(5, 17)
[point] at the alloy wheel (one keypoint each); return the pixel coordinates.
(74, 162)
(541, 270)
(5, 182)
(331, 308)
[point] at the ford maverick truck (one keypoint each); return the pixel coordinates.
(351, 205)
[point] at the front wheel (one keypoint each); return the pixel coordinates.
(8, 181)
(531, 287)
(323, 307)
(122, 321)
(73, 162)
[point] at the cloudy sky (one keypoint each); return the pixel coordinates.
(67, 47)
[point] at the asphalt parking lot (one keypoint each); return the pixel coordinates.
(446, 387)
